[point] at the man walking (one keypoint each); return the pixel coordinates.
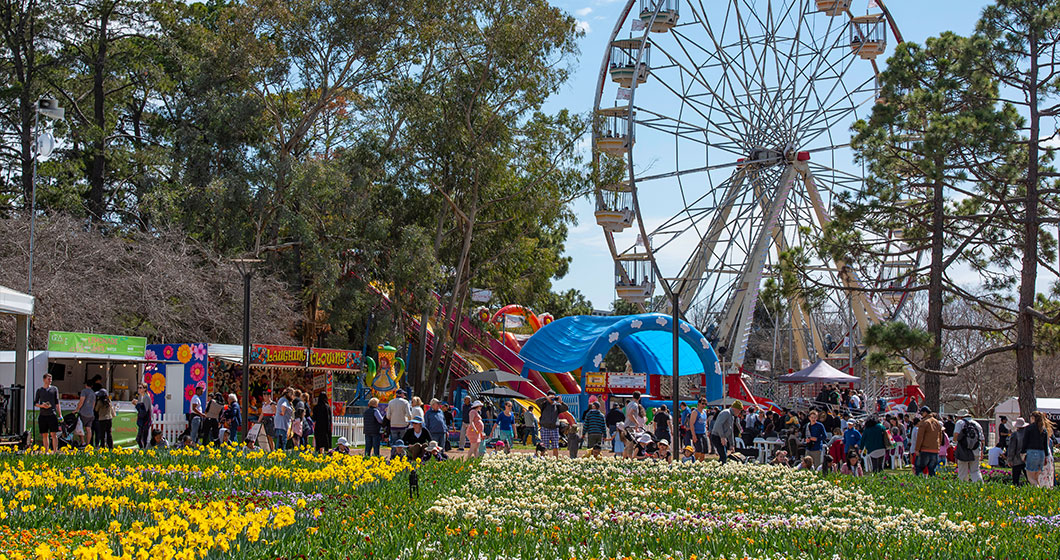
(697, 419)
(282, 420)
(927, 444)
(686, 436)
(595, 425)
(551, 407)
(47, 400)
(815, 439)
(614, 418)
(435, 424)
(968, 435)
(722, 432)
(86, 404)
(465, 419)
(195, 412)
(399, 412)
(1013, 456)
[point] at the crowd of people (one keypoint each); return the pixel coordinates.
(832, 435)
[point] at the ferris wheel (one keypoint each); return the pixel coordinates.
(721, 142)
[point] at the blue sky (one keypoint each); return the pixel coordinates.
(591, 271)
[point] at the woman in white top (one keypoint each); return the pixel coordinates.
(416, 408)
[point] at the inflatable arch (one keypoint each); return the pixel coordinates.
(581, 342)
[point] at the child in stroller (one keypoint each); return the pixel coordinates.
(67, 429)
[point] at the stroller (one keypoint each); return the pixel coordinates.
(67, 429)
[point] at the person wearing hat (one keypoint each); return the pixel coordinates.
(643, 447)
(688, 454)
(968, 435)
(342, 447)
(928, 442)
(398, 448)
(416, 433)
(721, 435)
(398, 412)
(433, 451)
(476, 431)
(1004, 431)
(663, 453)
(551, 407)
(1013, 456)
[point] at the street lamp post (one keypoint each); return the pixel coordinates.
(675, 414)
(245, 267)
(49, 107)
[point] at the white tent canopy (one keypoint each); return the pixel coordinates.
(15, 303)
(1010, 408)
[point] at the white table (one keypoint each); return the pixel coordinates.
(766, 447)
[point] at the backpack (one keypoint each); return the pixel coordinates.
(968, 442)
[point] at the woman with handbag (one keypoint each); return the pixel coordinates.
(1035, 446)
(143, 416)
(105, 410)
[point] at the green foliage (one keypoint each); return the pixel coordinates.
(564, 304)
(354, 145)
(891, 342)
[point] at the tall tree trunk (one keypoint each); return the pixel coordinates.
(451, 312)
(429, 380)
(97, 153)
(932, 381)
(1029, 273)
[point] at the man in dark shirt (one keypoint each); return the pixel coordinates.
(614, 416)
(465, 419)
(551, 407)
(47, 400)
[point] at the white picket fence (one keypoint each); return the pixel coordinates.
(172, 425)
(349, 427)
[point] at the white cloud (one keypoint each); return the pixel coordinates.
(583, 12)
(583, 26)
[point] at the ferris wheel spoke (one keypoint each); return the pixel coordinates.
(823, 67)
(715, 92)
(838, 111)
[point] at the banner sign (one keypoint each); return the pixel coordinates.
(596, 382)
(278, 355)
(132, 346)
(627, 381)
(335, 359)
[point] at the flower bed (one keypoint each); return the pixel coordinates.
(230, 504)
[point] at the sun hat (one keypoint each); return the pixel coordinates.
(963, 413)
(399, 443)
(432, 446)
(417, 420)
(1019, 423)
(644, 438)
(689, 449)
(344, 442)
(476, 404)
(664, 442)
